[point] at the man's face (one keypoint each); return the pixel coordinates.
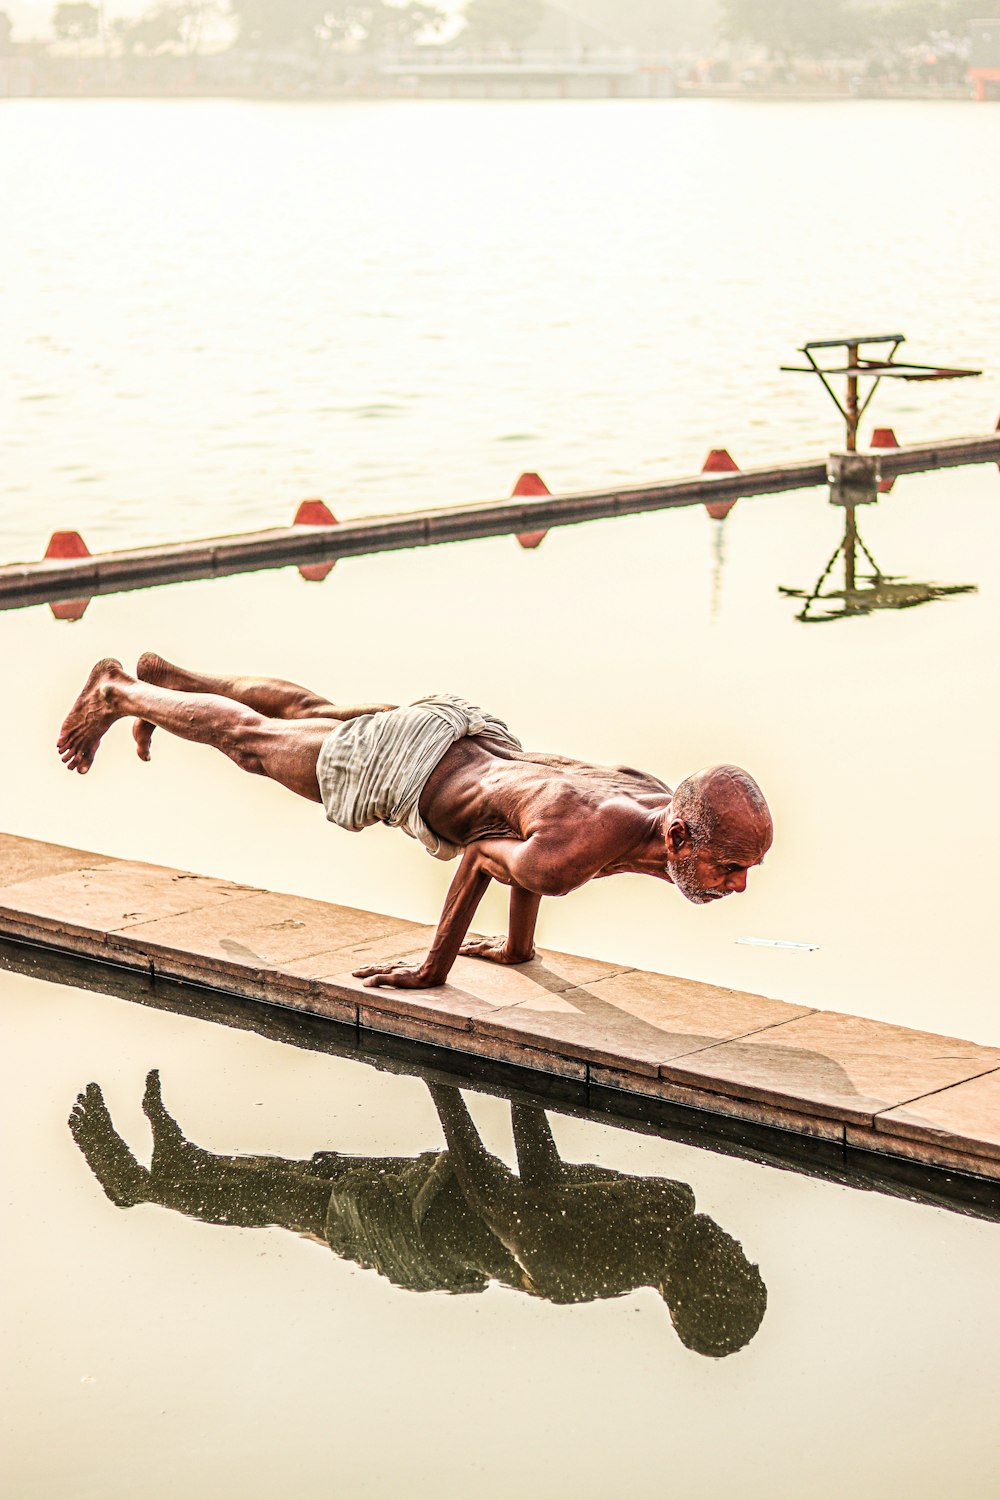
(711, 872)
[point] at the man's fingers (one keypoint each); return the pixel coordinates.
(493, 950)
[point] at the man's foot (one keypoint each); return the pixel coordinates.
(168, 1138)
(154, 669)
(107, 1155)
(91, 716)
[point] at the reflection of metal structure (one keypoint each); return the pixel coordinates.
(858, 366)
(718, 564)
(863, 594)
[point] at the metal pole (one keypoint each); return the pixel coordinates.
(852, 400)
(850, 546)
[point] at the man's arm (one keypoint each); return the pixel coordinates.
(548, 863)
(519, 944)
(464, 895)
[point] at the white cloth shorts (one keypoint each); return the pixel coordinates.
(373, 769)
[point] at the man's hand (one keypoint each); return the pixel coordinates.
(495, 951)
(464, 895)
(399, 976)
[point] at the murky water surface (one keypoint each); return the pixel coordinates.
(225, 305)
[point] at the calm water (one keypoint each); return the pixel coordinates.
(212, 309)
(162, 1349)
(219, 308)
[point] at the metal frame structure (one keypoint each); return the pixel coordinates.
(860, 366)
(864, 594)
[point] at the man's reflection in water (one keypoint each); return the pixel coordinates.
(457, 1219)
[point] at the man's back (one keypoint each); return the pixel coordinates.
(481, 790)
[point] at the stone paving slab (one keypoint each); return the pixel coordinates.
(409, 942)
(28, 859)
(927, 1152)
(862, 1084)
(639, 1021)
(96, 901)
(964, 1117)
(843, 1066)
(260, 931)
(798, 1121)
(540, 1059)
(477, 993)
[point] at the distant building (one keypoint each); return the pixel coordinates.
(565, 57)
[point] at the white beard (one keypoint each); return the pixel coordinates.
(683, 876)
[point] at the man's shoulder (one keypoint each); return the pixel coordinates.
(584, 813)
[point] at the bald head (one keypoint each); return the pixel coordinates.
(716, 1296)
(722, 802)
(719, 827)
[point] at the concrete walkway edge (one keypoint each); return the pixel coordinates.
(834, 1077)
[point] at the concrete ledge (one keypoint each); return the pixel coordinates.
(835, 1078)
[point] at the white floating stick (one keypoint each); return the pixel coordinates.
(778, 943)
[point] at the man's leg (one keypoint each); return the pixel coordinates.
(284, 750)
(251, 1192)
(270, 696)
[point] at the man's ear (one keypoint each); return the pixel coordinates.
(678, 836)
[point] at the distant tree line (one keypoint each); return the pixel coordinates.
(317, 23)
(784, 28)
(75, 22)
(488, 23)
(824, 28)
(267, 25)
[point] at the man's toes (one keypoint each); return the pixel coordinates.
(142, 733)
(84, 1106)
(150, 667)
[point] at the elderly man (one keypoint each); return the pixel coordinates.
(455, 778)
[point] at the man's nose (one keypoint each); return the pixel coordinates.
(737, 881)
